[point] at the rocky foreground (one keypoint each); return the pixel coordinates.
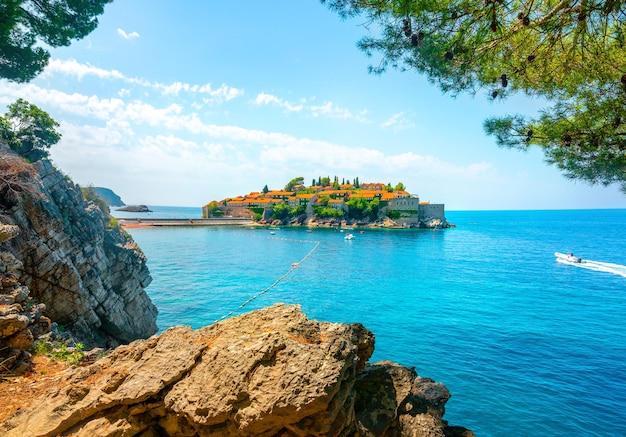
(272, 372)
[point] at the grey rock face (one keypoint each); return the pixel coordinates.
(90, 277)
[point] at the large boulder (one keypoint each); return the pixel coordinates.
(272, 372)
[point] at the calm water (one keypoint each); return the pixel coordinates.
(526, 345)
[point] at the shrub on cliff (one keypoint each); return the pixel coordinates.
(29, 130)
(90, 195)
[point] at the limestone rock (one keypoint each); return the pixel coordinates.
(8, 232)
(272, 372)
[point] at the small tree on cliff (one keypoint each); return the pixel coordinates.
(90, 195)
(29, 130)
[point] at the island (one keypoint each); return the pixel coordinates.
(135, 208)
(326, 203)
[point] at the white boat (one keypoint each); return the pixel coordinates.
(348, 237)
(568, 257)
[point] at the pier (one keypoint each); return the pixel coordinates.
(149, 222)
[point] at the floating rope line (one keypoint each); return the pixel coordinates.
(281, 278)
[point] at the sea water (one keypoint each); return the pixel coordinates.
(526, 345)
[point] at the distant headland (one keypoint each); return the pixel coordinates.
(332, 203)
(109, 196)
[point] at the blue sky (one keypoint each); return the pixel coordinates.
(181, 103)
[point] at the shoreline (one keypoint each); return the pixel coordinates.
(134, 223)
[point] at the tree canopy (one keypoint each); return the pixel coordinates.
(24, 23)
(570, 53)
(29, 130)
(292, 183)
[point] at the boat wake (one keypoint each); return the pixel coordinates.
(596, 266)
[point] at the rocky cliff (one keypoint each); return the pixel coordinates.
(272, 372)
(89, 274)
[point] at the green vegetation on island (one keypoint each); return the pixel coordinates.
(330, 201)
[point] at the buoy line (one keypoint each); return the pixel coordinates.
(294, 266)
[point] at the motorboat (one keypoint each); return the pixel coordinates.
(348, 237)
(568, 257)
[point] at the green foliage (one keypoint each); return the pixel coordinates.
(6, 133)
(29, 130)
(323, 200)
(258, 213)
(70, 357)
(281, 211)
(90, 195)
(297, 210)
(113, 223)
(393, 214)
(360, 208)
(59, 351)
(327, 212)
(570, 53)
(265, 189)
(399, 187)
(295, 181)
(41, 347)
(215, 210)
(24, 23)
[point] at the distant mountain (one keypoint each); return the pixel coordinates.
(109, 196)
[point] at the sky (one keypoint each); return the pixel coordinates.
(182, 103)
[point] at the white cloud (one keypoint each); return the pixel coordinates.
(278, 148)
(123, 34)
(397, 123)
(222, 94)
(77, 104)
(73, 68)
(328, 109)
(269, 99)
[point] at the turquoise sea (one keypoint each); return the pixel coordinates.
(526, 345)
